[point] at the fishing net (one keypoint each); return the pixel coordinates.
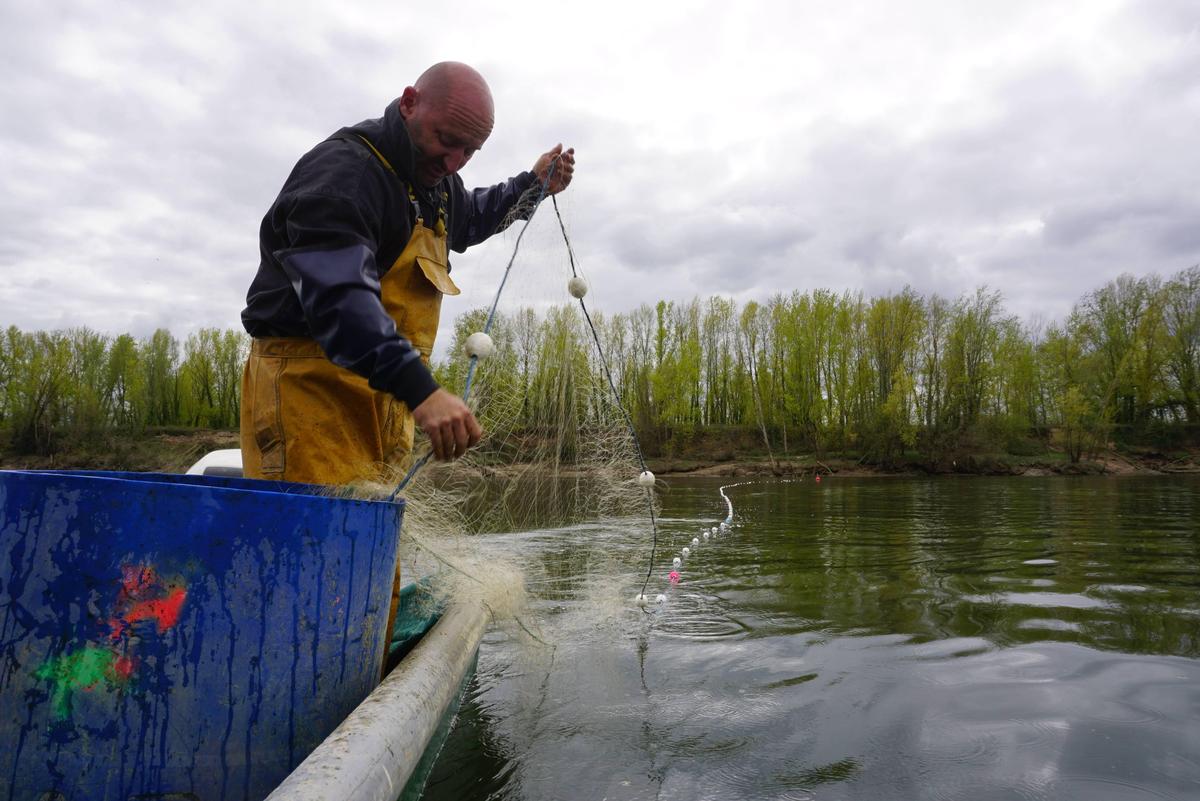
(558, 451)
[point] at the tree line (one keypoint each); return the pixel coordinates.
(817, 372)
(78, 386)
(825, 372)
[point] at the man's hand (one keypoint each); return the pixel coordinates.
(449, 423)
(564, 168)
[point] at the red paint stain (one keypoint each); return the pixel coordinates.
(122, 669)
(144, 596)
(163, 610)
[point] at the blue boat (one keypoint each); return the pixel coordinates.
(205, 637)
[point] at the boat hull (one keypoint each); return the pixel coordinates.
(183, 637)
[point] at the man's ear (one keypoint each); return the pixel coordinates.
(408, 101)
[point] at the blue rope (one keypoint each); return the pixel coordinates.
(487, 327)
(616, 397)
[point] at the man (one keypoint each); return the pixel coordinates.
(344, 308)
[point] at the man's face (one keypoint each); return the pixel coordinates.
(445, 132)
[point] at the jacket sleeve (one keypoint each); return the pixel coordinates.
(476, 214)
(330, 263)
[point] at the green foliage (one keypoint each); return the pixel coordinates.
(1083, 424)
(826, 373)
(1181, 332)
(78, 386)
(37, 388)
(210, 378)
(812, 372)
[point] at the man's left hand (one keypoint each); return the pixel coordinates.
(564, 168)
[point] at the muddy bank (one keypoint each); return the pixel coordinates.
(173, 450)
(166, 451)
(1111, 463)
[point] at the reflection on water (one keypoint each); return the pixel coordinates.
(857, 639)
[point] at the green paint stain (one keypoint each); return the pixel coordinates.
(79, 670)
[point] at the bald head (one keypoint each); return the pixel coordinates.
(449, 115)
(458, 82)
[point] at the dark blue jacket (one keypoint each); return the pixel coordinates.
(339, 223)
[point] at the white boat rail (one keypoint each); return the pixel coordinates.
(375, 750)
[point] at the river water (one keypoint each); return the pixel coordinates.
(976, 638)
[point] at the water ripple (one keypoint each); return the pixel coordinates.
(863, 640)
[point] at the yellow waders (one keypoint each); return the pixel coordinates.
(305, 419)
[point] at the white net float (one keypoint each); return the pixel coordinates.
(676, 563)
(695, 541)
(686, 552)
(645, 479)
(480, 345)
(640, 599)
(660, 598)
(577, 287)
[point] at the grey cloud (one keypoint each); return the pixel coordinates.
(1180, 236)
(894, 212)
(717, 252)
(1169, 223)
(151, 175)
(1173, 18)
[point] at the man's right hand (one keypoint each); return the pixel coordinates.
(449, 424)
(564, 170)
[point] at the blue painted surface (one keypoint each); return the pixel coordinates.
(170, 634)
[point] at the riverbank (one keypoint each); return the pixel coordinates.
(163, 451)
(1108, 463)
(173, 450)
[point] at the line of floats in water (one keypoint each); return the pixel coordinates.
(646, 479)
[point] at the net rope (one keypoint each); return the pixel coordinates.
(571, 454)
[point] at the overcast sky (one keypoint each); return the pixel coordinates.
(1041, 148)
